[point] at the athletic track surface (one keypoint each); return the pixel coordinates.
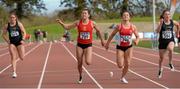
(53, 65)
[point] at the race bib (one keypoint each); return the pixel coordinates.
(125, 38)
(166, 35)
(84, 35)
(14, 33)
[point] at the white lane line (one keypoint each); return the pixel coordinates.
(132, 72)
(44, 67)
(8, 52)
(19, 59)
(4, 48)
(140, 59)
(83, 67)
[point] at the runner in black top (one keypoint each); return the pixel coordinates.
(166, 39)
(16, 35)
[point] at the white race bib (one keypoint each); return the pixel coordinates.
(14, 33)
(166, 35)
(85, 35)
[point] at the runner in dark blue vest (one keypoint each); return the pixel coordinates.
(17, 33)
(166, 39)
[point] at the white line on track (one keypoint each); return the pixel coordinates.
(132, 72)
(83, 67)
(44, 67)
(19, 59)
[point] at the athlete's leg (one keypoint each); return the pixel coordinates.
(162, 53)
(127, 60)
(170, 48)
(88, 55)
(79, 56)
(12, 50)
(120, 58)
(21, 51)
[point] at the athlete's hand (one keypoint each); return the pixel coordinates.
(161, 21)
(136, 42)
(59, 21)
(22, 42)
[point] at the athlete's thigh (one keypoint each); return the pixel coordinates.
(12, 50)
(21, 50)
(79, 53)
(88, 54)
(170, 46)
(119, 56)
(162, 52)
(128, 55)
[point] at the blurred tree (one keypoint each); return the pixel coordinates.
(77, 5)
(24, 8)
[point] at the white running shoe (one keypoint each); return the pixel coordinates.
(80, 80)
(14, 75)
(123, 80)
(160, 73)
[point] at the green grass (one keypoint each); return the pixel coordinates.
(55, 31)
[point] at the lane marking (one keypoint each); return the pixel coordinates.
(83, 67)
(132, 71)
(44, 67)
(141, 60)
(19, 59)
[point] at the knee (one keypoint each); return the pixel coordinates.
(120, 65)
(88, 62)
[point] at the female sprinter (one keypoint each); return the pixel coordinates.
(85, 28)
(124, 47)
(17, 33)
(166, 39)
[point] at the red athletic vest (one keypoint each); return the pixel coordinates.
(85, 32)
(125, 35)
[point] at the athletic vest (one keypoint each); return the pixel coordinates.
(15, 34)
(85, 32)
(166, 33)
(125, 35)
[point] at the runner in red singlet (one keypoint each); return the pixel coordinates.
(85, 28)
(124, 47)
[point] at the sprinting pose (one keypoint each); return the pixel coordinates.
(85, 28)
(124, 46)
(166, 39)
(17, 33)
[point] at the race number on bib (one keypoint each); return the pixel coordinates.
(14, 33)
(125, 38)
(84, 35)
(166, 35)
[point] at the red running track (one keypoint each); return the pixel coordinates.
(53, 65)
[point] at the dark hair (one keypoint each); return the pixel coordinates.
(126, 12)
(89, 12)
(86, 9)
(13, 12)
(164, 11)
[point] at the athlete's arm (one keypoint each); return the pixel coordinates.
(178, 27)
(22, 30)
(98, 33)
(67, 26)
(4, 34)
(159, 26)
(136, 41)
(111, 36)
